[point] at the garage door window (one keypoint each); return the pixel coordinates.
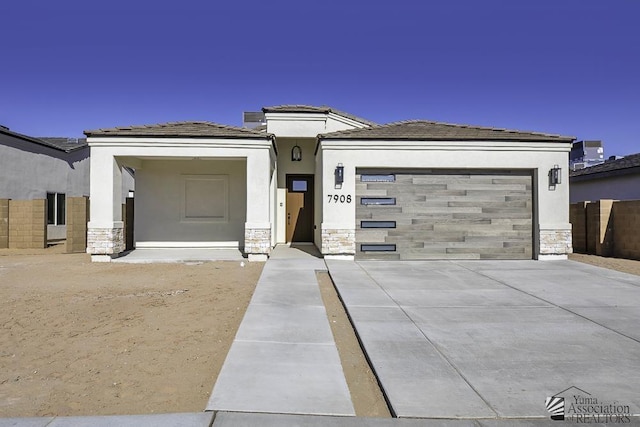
(378, 178)
(378, 201)
(371, 247)
(377, 224)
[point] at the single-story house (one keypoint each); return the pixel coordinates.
(44, 168)
(615, 179)
(353, 188)
(50, 168)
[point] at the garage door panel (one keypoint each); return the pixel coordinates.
(448, 215)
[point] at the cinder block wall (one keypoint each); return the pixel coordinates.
(28, 224)
(4, 223)
(626, 229)
(77, 218)
(578, 219)
(599, 228)
(607, 228)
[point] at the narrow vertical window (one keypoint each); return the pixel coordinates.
(60, 209)
(51, 208)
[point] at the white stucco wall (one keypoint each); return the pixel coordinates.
(307, 125)
(319, 201)
(110, 154)
(624, 187)
(552, 203)
(161, 196)
(287, 167)
(29, 171)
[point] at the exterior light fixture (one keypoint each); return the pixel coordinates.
(555, 175)
(339, 174)
(296, 153)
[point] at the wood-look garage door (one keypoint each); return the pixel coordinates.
(444, 214)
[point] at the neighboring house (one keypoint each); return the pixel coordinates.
(407, 190)
(46, 168)
(586, 153)
(615, 179)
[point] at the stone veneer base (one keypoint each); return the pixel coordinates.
(555, 242)
(257, 241)
(338, 241)
(105, 241)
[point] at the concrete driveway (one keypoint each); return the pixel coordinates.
(494, 339)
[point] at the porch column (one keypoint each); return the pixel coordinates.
(257, 229)
(105, 231)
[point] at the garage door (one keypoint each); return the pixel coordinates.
(443, 214)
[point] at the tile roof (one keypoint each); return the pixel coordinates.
(57, 143)
(627, 162)
(180, 129)
(324, 109)
(424, 130)
(66, 144)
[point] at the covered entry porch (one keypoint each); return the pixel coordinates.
(198, 185)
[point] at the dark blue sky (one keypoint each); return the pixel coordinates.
(559, 66)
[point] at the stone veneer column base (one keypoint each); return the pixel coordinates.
(257, 243)
(338, 241)
(105, 241)
(554, 243)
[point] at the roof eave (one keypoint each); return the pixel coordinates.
(94, 134)
(407, 138)
(605, 174)
(39, 141)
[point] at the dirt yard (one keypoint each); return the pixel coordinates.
(624, 265)
(82, 338)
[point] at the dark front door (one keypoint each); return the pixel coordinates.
(299, 208)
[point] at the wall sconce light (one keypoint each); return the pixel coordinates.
(555, 175)
(339, 174)
(296, 153)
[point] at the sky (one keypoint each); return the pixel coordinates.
(569, 67)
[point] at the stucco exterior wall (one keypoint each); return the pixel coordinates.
(110, 154)
(551, 216)
(162, 192)
(286, 166)
(307, 125)
(625, 187)
(29, 170)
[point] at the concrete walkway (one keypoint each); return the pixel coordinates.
(487, 339)
(284, 358)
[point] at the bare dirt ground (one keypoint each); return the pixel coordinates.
(624, 265)
(82, 338)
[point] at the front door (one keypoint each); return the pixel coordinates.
(299, 208)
